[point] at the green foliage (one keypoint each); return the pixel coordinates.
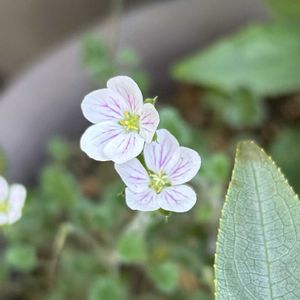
(98, 59)
(286, 9)
(285, 150)
(263, 59)
(59, 150)
(103, 63)
(237, 109)
(171, 120)
(216, 167)
(132, 248)
(59, 187)
(165, 276)
(258, 245)
(21, 257)
(107, 288)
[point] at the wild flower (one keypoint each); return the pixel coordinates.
(122, 122)
(160, 184)
(12, 199)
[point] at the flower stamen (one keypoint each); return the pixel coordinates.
(3, 207)
(131, 122)
(158, 181)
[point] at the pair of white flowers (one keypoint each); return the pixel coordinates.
(12, 199)
(124, 127)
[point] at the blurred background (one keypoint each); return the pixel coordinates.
(29, 28)
(223, 71)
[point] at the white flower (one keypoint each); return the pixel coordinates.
(12, 200)
(123, 123)
(161, 185)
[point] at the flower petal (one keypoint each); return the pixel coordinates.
(17, 196)
(124, 147)
(148, 122)
(129, 90)
(162, 154)
(133, 174)
(3, 189)
(96, 137)
(186, 168)
(103, 105)
(143, 201)
(180, 198)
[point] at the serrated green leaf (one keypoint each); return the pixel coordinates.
(258, 244)
(263, 59)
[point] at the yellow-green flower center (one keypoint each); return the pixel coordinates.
(3, 207)
(158, 181)
(131, 122)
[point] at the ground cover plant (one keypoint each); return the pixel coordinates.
(84, 234)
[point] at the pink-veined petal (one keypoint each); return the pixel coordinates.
(143, 201)
(96, 137)
(3, 189)
(148, 122)
(133, 174)
(163, 154)
(186, 168)
(124, 147)
(180, 198)
(129, 90)
(104, 105)
(17, 196)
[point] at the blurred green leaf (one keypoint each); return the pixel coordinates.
(258, 246)
(201, 296)
(216, 167)
(103, 64)
(237, 109)
(165, 276)
(263, 59)
(59, 149)
(98, 59)
(59, 188)
(203, 213)
(107, 289)
(285, 149)
(171, 120)
(128, 57)
(132, 248)
(21, 257)
(287, 9)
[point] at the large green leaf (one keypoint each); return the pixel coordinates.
(259, 237)
(262, 58)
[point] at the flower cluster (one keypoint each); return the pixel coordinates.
(12, 199)
(124, 127)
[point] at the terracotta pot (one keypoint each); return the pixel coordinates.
(44, 101)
